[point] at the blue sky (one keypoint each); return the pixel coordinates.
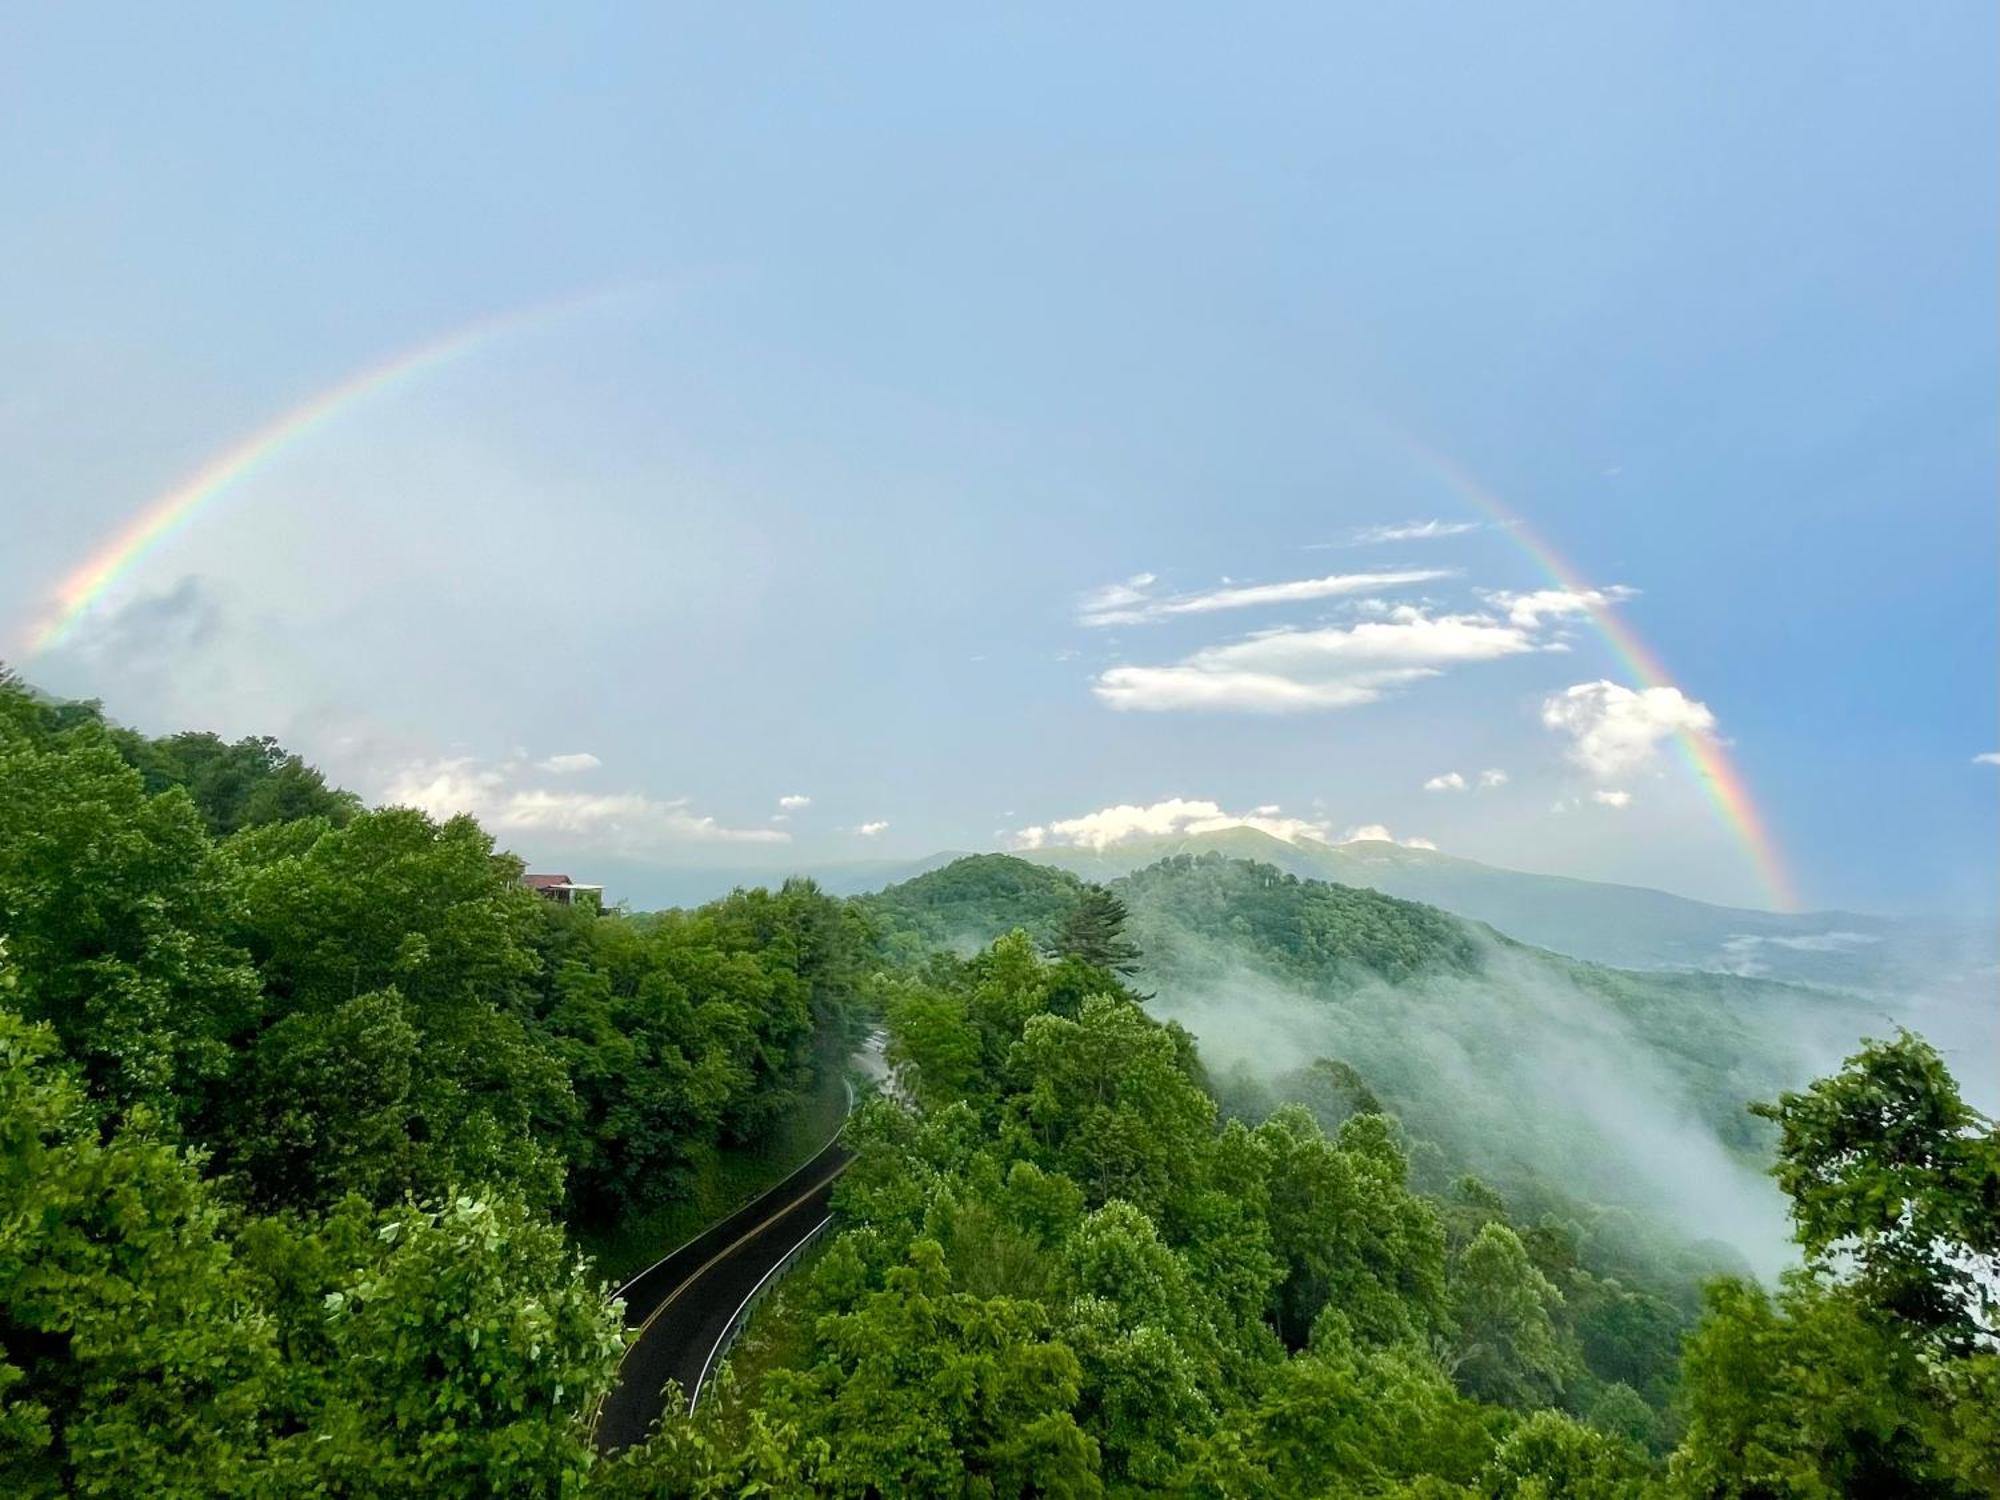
(932, 328)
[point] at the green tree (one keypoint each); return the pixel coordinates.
(1348, 1233)
(396, 901)
(1554, 1457)
(1144, 1335)
(132, 1359)
(1109, 1101)
(1874, 1371)
(242, 785)
(327, 1104)
(1508, 1350)
(922, 1390)
(1344, 1422)
(114, 908)
(1812, 1396)
(1094, 931)
(1888, 1168)
(457, 1349)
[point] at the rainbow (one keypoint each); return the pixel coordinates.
(1706, 758)
(160, 518)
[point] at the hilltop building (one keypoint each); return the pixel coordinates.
(564, 891)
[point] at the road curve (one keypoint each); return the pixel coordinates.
(683, 1304)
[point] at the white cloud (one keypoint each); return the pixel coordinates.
(1456, 781)
(1611, 798)
(1288, 671)
(1176, 816)
(1614, 729)
(869, 830)
(1529, 610)
(1376, 833)
(1133, 603)
(1989, 758)
(1402, 531)
(624, 822)
(794, 803)
(1114, 602)
(570, 763)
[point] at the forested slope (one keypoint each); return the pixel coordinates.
(301, 1103)
(1525, 1059)
(305, 1103)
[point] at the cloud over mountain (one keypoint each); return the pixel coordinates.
(1174, 815)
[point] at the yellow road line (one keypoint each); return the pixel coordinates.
(700, 1271)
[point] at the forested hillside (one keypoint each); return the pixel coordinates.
(305, 1096)
(1065, 1272)
(1629, 1088)
(1525, 1066)
(304, 1105)
(1629, 926)
(968, 903)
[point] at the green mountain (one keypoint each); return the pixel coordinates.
(968, 903)
(1532, 1068)
(1630, 926)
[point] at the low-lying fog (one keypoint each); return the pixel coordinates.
(1522, 1070)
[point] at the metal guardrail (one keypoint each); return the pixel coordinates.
(740, 1319)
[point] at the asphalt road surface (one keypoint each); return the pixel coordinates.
(684, 1304)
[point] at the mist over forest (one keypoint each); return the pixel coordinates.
(1576, 1085)
(1209, 1180)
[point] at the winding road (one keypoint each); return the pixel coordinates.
(684, 1305)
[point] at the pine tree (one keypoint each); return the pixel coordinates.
(1094, 931)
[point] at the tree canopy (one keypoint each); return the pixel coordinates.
(305, 1104)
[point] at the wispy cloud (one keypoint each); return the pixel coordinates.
(1403, 531)
(1614, 729)
(1115, 603)
(1611, 798)
(1291, 671)
(1376, 833)
(1133, 602)
(1740, 952)
(1450, 781)
(501, 798)
(1493, 776)
(569, 763)
(1987, 758)
(1172, 817)
(870, 830)
(794, 803)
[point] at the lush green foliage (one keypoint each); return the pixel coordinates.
(1094, 931)
(1890, 1170)
(245, 785)
(299, 1103)
(1557, 1081)
(1305, 928)
(1121, 1294)
(1876, 1370)
(287, 1114)
(970, 902)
